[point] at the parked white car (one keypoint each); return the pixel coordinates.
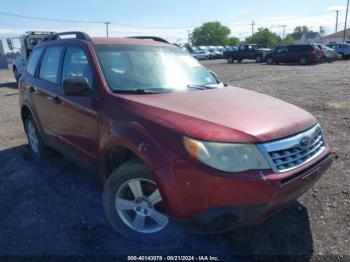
(200, 55)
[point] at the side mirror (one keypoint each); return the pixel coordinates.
(76, 86)
(10, 44)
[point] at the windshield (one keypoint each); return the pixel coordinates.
(158, 69)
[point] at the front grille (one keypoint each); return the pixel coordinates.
(287, 154)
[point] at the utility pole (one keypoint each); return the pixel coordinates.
(253, 24)
(346, 20)
(336, 21)
(189, 37)
(107, 23)
(284, 33)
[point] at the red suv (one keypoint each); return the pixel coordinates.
(171, 142)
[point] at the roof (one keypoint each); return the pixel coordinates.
(339, 34)
(126, 41)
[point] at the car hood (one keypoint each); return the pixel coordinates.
(227, 114)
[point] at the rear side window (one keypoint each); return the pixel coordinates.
(50, 64)
(76, 64)
(33, 61)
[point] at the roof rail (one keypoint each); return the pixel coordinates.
(39, 33)
(154, 38)
(78, 35)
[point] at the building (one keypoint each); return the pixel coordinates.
(306, 38)
(337, 38)
(3, 63)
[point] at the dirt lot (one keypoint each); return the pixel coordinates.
(54, 207)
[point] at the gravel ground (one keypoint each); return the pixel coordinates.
(54, 207)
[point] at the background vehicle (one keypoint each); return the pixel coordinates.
(328, 54)
(251, 52)
(302, 54)
(28, 41)
(200, 55)
(343, 50)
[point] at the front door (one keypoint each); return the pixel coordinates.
(76, 117)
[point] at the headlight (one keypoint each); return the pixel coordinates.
(226, 156)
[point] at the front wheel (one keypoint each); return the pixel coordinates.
(134, 206)
(230, 60)
(258, 59)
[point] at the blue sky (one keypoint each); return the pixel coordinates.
(169, 19)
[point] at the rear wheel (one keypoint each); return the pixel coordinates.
(269, 60)
(302, 60)
(134, 206)
(16, 74)
(36, 144)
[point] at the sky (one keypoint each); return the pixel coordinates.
(171, 20)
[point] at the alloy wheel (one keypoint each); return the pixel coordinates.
(138, 203)
(32, 137)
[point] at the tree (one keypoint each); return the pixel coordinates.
(232, 41)
(289, 40)
(264, 38)
(210, 33)
(301, 29)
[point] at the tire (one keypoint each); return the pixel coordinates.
(302, 60)
(342, 56)
(35, 141)
(270, 61)
(239, 60)
(230, 60)
(258, 59)
(131, 185)
(16, 74)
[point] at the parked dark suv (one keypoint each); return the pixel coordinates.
(302, 54)
(173, 145)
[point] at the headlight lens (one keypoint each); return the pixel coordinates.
(226, 156)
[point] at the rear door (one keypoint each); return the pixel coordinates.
(39, 82)
(76, 117)
(281, 55)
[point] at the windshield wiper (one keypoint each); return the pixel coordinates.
(133, 91)
(201, 87)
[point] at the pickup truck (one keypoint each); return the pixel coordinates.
(252, 52)
(28, 41)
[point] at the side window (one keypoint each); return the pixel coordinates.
(33, 61)
(50, 64)
(76, 64)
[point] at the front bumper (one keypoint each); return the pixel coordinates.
(210, 200)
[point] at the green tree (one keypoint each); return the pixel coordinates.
(210, 33)
(289, 40)
(232, 41)
(301, 29)
(264, 38)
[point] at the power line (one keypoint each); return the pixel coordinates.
(49, 19)
(88, 22)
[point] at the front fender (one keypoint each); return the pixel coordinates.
(155, 145)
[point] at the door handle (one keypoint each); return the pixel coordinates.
(32, 89)
(55, 99)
